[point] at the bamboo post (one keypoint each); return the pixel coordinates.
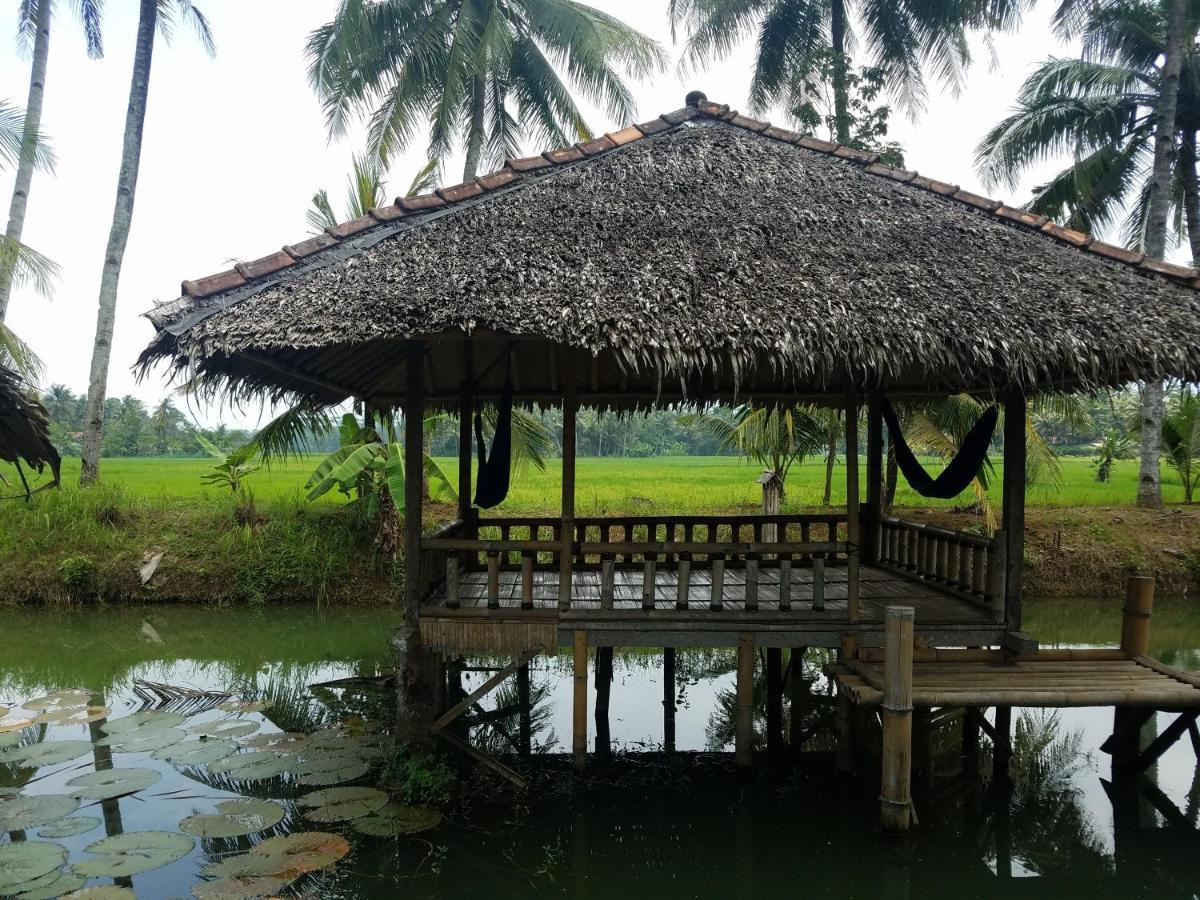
(570, 406)
(465, 511)
(525, 702)
(751, 583)
(604, 677)
(648, 581)
(774, 676)
(669, 698)
(684, 585)
(1014, 506)
(527, 580)
(414, 448)
(607, 577)
(785, 582)
(579, 722)
(853, 530)
(744, 714)
(493, 581)
(873, 547)
(896, 715)
(1135, 617)
(1002, 746)
(718, 583)
(996, 572)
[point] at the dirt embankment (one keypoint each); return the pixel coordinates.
(1089, 550)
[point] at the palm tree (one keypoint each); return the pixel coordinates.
(482, 74)
(366, 191)
(1128, 110)
(1181, 439)
(154, 16)
(797, 39)
(34, 19)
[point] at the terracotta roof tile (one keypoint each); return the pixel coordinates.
(596, 145)
(213, 284)
(529, 163)
(1067, 235)
(932, 184)
(1112, 251)
(499, 179)
(266, 265)
(1171, 270)
(813, 143)
(458, 192)
(654, 126)
(625, 136)
(309, 247)
(355, 226)
(716, 110)
(781, 134)
(747, 122)
(389, 213)
(977, 200)
(563, 155)
(420, 203)
(1033, 220)
(886, 171)
(679, 116)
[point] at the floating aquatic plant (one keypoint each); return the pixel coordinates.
(128, 854)
(111, 783)
(398, 820)
(235, 818)
(252, 766)
(65, 828)
(22, 813)
(197, 752)
(342, 803)
(24, 862)
(47, 753)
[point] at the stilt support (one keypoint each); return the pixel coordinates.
(774, 700)
(669, 696)
(604, 676)
(896, 810)
(744, 723)
(579, 722)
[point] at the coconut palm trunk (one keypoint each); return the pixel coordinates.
(475, 131)
(33, 127)
(1149, 492)
(841, 92)
(118, 239)
(1191, 191)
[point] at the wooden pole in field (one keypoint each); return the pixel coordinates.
(896, 713)
(579, 722)
(744, 714)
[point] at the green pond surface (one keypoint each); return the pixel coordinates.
(648, 824)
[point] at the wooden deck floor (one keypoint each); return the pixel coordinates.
(879, 589)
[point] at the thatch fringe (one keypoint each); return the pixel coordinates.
(25, 429)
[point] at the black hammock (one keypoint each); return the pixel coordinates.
(961, 470)
(495, 468)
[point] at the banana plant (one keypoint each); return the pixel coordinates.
(231, 468)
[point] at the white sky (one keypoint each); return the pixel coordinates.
(235, 147)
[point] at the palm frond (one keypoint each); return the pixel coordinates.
(320, 214)
(291, 432)
(24, 265)
(15, 354)
(18, 143)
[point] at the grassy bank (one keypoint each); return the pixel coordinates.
(87, 545)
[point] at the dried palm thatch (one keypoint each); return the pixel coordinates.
(25, 430)
(702, 255)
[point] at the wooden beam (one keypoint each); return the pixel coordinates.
(579, 719)
(895, 801)
(487, 687)
(465, 411)
(853, 530)
(1014, 504)
(570, 404)
(744, 709)
(874, 506)
(484, 759)
(669, 697)
(414, 452)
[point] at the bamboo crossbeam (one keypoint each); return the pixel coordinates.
(481, 546)
(963, 654)
(590, 548)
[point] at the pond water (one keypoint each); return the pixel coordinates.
(648, 824)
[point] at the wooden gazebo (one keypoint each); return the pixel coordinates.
(699, 257)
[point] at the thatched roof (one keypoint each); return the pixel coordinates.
(25, 427)
(702, 253)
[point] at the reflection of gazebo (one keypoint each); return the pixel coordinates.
(700, 257)
(24, 429)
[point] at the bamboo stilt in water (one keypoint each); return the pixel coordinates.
(896, 714)
(669, 699)
(744, 711)
(1135, 641)
(579, 721)
(774, 700)
(604, 677)
(799, 695)
(525, 702)
(1002, 749)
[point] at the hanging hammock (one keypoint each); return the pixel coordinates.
(960, 472)
(495, 468)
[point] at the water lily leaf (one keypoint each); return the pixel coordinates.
(73, 715)
(322, 771)
(252, 766)
(287, 741)
(21, 813)
(248, 888)
(196, 752)
(61, 883)
(143, 740)
(10, 739)
(47, 753)
(103, 892)
(147, 718)
(137, 851)
(397, 820)
(245, 705)
(235, 818)
(26, 861)
(15, 722)
(74, 697)
(226, 728)
(111, 783)
(342, 803)
(65, 828)
(305, 851)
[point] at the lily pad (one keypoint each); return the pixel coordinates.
(397, 820)
(325, 770)
(225, 728)
(143, 740)
(73, 715)
(305, 851)
(235, 818)
(253, 766)
(137, 851)
(103, 892)
(147, 718)
(47, 753)
(239, 888)
(22, 813)
(61, 883)
(65, 828)
(10, 739)
(245, 705)
(27, 861)
(74, 697)
(15, 722)
(111, 783)
(196, 752)
(284, 741)
(341, 803)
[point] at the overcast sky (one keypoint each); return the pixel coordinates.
(235, 147)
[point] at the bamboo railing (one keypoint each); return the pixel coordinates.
(969, 566)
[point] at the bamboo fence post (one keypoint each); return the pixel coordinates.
(579, 723)
(1135, 617)
(648, 581)
(752, 582)
(744, 713)
(493, 581)
(785, 582)
(684, 581)
(896, 714)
